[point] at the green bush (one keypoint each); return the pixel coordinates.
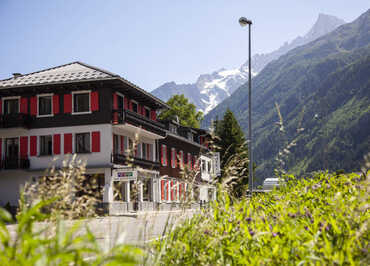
(323, 220)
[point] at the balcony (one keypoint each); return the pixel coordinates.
(127, 116)
(15, 120)
(14, 163)
(124, 160)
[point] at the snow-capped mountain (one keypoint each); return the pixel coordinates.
(211, 89)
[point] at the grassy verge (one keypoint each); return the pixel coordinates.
(323, 220)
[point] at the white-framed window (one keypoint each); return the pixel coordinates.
(82, 142)
(11, 105)
(147, 112)
(181, 155)
(173, 157)
(135, 106)
(164, 155)
(46, 145)
(81, 102)
(45, 105)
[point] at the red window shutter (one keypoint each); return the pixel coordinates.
(67, 143)
(56, 104)
(94, 101)
(33, 145)
(1, 106)
(56, 143)
(167, 189)
(130, 104)
(1, 150)
(162, 189)
(115, 101)
(175, 190)
(180, 190)
(172, 190)
(165, 155)
(33, 105)
(24, 106)
(153, 115)
(125, 103)
(95, 136)
(67, 103)
(23, 146)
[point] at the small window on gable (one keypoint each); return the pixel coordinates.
(82, 142)
(11, 106)
(46, 145)
(81, 102)
(45, 105)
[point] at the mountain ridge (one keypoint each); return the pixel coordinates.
(212, 88)
(326, 82)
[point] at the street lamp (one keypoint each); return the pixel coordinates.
(244, 22)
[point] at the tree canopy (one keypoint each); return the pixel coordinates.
(184, 110)
(231, 144)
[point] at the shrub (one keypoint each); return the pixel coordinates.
(322, 220)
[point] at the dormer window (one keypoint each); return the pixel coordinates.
(45, 105)
(11, 106)
(81, 102)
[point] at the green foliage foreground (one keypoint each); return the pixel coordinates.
(53, 243)
(323, 220)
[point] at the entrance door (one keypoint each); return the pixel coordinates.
(11, 153)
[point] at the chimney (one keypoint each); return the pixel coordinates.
(17, 75)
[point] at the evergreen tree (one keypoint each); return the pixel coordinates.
(186, 112)
(231, 144)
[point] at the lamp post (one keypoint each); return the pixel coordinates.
(244, 22)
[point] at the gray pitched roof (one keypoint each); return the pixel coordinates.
(71, 72)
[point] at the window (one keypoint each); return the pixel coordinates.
(45, 105)
(46, 145)
(134, 106)
(209, 167)
(11, 106)
(119, 102)
(116, 144)
(147, 190)
(164, 155)
(144, 151)
(173, 128)
(189, 160)
(190, 136)
(181, 155)
(82, 142)
(173, 157)
(81, 102)
(203, 166)
(147, 112)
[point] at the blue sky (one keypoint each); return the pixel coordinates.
(152, 42)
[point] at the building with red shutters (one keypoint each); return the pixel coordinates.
(104, 119)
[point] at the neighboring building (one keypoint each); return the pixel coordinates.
(78, 109)
(186, 147)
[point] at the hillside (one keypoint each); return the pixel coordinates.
(211, 89)
(326, 83)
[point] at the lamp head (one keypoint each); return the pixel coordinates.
(244, 22)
